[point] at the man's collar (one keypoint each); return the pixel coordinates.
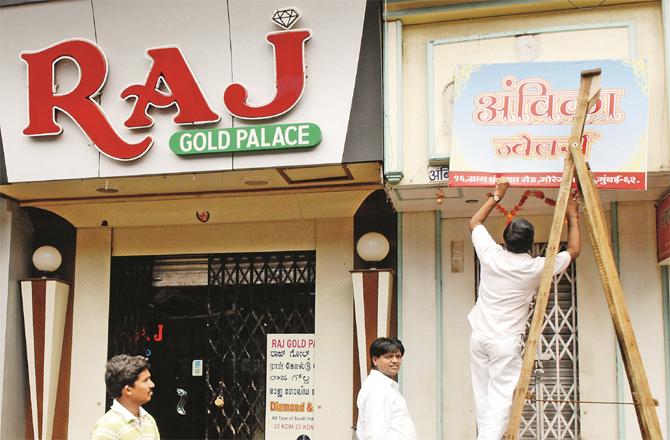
(377, 375)
(127, 415)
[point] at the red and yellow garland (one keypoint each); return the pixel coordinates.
(510, 214)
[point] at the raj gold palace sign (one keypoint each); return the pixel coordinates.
(170, 83)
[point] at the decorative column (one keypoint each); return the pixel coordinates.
(372, 297)
(373, 289)
(44, 309)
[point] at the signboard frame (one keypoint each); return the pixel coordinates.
(513, 119)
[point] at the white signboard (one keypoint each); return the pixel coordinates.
(514, 120)
(289, 390)
(83, 104)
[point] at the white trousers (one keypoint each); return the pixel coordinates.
(495, 365)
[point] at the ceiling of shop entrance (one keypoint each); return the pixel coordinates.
(265, 181)
(225, 197)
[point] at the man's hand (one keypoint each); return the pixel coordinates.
(501, 187)
(574, 201)
(572, 213)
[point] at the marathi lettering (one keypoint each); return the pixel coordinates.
(617, 179)
(526, 146)
(548, 180)
(438, 173)
(532, 101)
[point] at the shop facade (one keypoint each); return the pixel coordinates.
(437, 275)
(200, 166)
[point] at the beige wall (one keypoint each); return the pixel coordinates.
(233, 237)
(334, 328)
(333, 241)
(597, 363)
(419, 373)
(459, 297)
(597, 345)
(641, 281)
(89, 330)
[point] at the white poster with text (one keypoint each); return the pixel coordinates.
(289, 390)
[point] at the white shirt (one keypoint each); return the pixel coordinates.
(507, 284)
(382, 411)
(127, 415)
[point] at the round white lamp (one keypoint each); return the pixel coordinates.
(47, 259)
(372, 247)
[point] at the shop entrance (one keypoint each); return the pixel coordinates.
(203, 321)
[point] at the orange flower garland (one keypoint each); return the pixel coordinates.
(510, 214)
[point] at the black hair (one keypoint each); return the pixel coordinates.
(519, 235)
(381, 346)
(123, 370)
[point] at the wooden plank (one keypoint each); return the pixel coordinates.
(588, 93)
(645, 406)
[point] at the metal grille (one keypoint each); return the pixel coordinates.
(555, 377)
(238, 299)
(249, 297)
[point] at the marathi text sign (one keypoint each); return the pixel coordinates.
(514, 120)
(289, 395)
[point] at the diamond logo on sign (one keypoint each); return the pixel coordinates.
(286, 17)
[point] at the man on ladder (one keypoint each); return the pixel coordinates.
(509, 279)
(575, 165)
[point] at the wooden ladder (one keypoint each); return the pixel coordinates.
(645, 405)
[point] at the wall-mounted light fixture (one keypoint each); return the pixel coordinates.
(47, 259)
(372, 247)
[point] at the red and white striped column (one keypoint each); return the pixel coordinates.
(44, 310)
(373, 289)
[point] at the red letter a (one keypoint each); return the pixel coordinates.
(290, 78)
(78, 103)
(170, 67)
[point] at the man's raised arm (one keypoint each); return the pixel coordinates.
(574, 238)
(482, 213)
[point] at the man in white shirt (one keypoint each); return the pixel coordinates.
(382, 411)
(509, 279)
(128, 381)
